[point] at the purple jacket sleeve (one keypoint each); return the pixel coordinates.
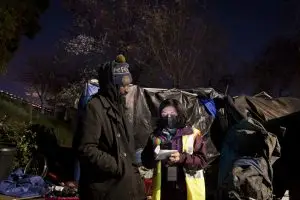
(198, 159)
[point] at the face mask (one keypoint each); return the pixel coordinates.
(170, 121)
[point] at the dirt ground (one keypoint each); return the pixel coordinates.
(2, 197)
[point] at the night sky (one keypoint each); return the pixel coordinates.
(249, 25)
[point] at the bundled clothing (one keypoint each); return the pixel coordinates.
(189, 168)
(105, 147)
(247, 156)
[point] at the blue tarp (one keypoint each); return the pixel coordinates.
(89, 90)
(210, 106)
(22, 185)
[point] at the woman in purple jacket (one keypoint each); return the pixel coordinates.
(171, 127)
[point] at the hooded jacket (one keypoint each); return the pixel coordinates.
(105, 147)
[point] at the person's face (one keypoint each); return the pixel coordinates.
(169, 111)
(169, 117)
(124, 88)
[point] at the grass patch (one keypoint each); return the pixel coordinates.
(13, 111)
(21, 112)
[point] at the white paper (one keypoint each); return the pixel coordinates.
(163, 154)
(157, 149)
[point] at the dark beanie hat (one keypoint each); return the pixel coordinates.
(120, 71)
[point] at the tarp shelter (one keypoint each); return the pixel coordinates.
(142, 111)
(265, 109)
(205, 107)
(215, 114)
(280, 116)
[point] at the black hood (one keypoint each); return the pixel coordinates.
(107, 87)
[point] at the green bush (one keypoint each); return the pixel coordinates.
(19, 134)
(27, 138)
(20, 124)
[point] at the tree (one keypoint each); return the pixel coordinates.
(278, 68)
(183, 49)
(44, 77)
(18, 18)
(169, 37)
(71, 92)
(104, 28)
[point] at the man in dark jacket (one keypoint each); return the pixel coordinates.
(103, 144)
